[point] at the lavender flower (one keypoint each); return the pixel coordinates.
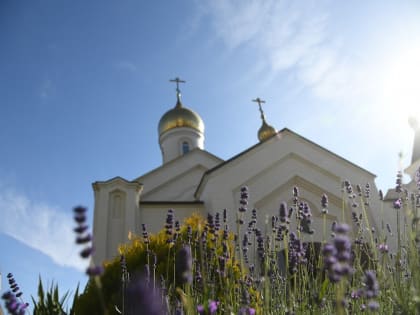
(397, 204)
(383, 248)
(213, 306)
(244, 199)
(398, 182)
(305, 218)
(145, 234)
(183, 265)
(324, 203)
(142, 300)
(13, 306)
(169, 226)
(371, 288)
(283, 213)
(84, 238)
(337, 255)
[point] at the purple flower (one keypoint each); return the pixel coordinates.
(324, 203)
(383, 248)
(283, 213)
(13, 306)
(183, 265)
(337, 256)
(398, 204)
(81, 229)
(86, 252)
(398, 182)
(200, 309)
(244, 199)
(371, 284)
(83, 239)
(373, 306)
(93, 271)
(140, 299)
(213, 306)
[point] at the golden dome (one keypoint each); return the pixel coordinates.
(180, 116)
(266, 131)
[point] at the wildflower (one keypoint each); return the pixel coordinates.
(324, 203)
(371, 289)
(337, 255)
(13, 306)
(124, 272)
(244, 199)
(295, 195)
(373, 306)
(397, 204)
(383, 248)
(83, 237)
(388, 227)
(359, 190)
(283, 213)
(213, 306)
(183, 265)
(381, 195)
(93, 271)
(305, 219)
(200, 309)
(13, 285)
(398, 182)
(145, 234)
(247, 311)
(140, 299)
(367, 190)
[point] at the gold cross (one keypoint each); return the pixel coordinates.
(177, 81)
(260, 101)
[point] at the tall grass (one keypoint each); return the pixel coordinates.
(212, 266)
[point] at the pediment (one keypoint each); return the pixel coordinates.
(178, 188)
(282, 150)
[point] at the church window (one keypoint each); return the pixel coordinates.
(185, 147)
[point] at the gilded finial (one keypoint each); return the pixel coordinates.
(260, 101)
(178, 91)
(266, 131)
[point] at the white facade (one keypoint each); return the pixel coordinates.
(198, 181)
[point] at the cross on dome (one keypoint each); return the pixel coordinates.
(266, 131)
(177, 81)
(260, 101)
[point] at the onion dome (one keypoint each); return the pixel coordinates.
(180, 116)
(266, 131)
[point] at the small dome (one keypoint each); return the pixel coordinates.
(180, 117)
(266, 131)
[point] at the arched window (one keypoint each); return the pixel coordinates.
(185, 147)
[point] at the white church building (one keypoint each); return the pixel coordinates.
(192, 179)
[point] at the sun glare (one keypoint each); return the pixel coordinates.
(401, 89)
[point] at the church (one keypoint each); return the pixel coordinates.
(193, 180)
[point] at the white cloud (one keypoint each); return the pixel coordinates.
(40, 226)
(289, 36)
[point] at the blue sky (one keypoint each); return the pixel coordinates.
(83, 85)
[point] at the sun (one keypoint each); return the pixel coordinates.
(401, 89)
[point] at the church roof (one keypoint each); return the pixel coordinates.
(278, 134)
(176, 160)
